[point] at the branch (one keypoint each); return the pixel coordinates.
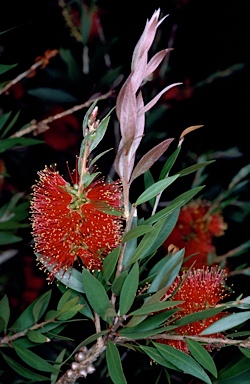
(42, 125)
(8, 339)
(84, 364)
(41, 62)
(204, 339)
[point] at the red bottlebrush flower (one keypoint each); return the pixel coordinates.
(69, 224)
(195, 230)
(201, 289)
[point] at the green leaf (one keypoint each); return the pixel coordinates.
(4, 313)
(227, 322)
(182, 361)
(26, 319)
(136, 232)
(197, 316)
(33, 360)
(58, 363)
(234, 369)
(149, 242)
(87, 341)
(22, 370)
(17, 141)
(64, 299)
(141, 334)
(65, 306)
(52, 95)
(6, 67)
(41, 305)
(169, 163)
(4, 117)
(86, 311)
(245, 352)
(114, 364)
(167, 272)
(95, 293)
(194, 168)
(201, 355)
(151, 322)
(110, 262)
(157, 357)
(98, 157)
(99, 133)
(71, 279)
(155, 307)
(9, 238)
(148, 181)
(153, 299)
(10, 125)
(117, 284)
(37, 337)
(155, 189)
(70, 312)
(131, 245)
(178, 202)
(129, 289)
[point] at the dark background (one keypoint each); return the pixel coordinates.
(210, 57)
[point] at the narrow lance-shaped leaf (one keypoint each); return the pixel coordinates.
(4, 313)
(150, 158)
(201, 355)
(157, 357)
(95, 293)
(169, 163)
(155, 189)
(24, 372)
(182, 361)
(227, 323)
(114, 364)
(41, 305)
(136, 232)
(154, 307)
(4, 117)
(168, 272)
(178, 202)
(110, 262)
(33, 360)
(6, 67)
(194, 168)
(129, 289)
(145, 246)
(10, 125)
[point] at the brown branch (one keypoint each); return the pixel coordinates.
(8, 339)
(41, 126)
(81, 368)
(203, 339)
(41, 62)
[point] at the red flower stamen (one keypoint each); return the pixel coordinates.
(195, 229)
(68, 226)
(199, 289)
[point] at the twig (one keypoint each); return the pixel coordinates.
(42, 125)
(43, 61)
(82, 368)
(203, 339)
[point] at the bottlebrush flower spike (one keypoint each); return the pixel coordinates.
(71, 223)
(130, 108)
(199, 289)
(195, 229)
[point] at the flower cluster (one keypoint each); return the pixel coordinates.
(199, 289)
(195, 229)
(71, 224)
